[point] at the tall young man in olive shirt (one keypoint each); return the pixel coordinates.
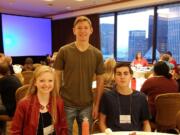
(79, 61)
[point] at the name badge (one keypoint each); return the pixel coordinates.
(125, 118)
(48, 130)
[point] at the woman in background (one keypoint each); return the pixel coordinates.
(108, 75)
(172, 60)
(41, 112)
(139, 60)
(160, 83)
(166, 58)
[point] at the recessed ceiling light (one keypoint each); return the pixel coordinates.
(50, 4)
(48, 0)
(68, 7)
(79, 0)
(11, 2)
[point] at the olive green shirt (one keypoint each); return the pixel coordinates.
(78, 70)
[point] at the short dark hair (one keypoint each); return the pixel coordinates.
(161, 68)
(28, 60)
(123, 64)
(169, 53)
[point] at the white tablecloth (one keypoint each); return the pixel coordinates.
(137, 133)
(139, 74)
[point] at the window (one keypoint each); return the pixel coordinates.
(168, 30)
(107, 35)
(134, 33)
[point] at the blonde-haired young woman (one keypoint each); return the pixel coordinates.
(41, 112)
(108, 75)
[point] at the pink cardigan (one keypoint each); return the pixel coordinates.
(143, 62)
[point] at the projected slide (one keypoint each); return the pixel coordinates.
(26, 36)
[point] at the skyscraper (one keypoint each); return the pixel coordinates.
(107, 39)
(162, 30)
(174, 37)
(137, 42)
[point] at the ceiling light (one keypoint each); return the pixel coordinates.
(50, 4)
(68, 8)
(79, 0)
(48, 0)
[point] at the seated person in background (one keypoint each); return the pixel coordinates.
(2, 57)
(165, 58)
(139, 60)
(178, 76)
(160, 83)
(172, 60)
(8, 59)
(123, 109)
(50, 59)
(41, 112)
(108, 75)
(28, 65)
(8, 86)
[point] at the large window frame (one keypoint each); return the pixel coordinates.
(134, 34)
(154, 40)
(107, 22)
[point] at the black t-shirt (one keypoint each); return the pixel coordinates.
(114, 104)
(45, 120)
(8, 86)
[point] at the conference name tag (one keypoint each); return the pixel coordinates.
(48, 130)
(125, 119)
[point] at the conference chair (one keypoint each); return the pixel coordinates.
(95, 127)
(178, 121)
(167, 106)
(21, 92)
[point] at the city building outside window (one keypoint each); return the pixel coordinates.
(134, 34)
(168, 30)
(107, 35)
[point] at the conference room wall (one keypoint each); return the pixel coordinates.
(1, 43)
(62, 32)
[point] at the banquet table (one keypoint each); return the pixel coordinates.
(139, 74)
(137, 133)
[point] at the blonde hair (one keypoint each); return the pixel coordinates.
(8, 60)
(53, 94)
(2, 57)
(165, 57)
(82, 19)
(109, 65)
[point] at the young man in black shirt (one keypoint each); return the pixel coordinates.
(123, 109)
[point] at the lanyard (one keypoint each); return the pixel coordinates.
(119, 104)
(130, 107)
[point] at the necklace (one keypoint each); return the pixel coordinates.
(42, 107)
